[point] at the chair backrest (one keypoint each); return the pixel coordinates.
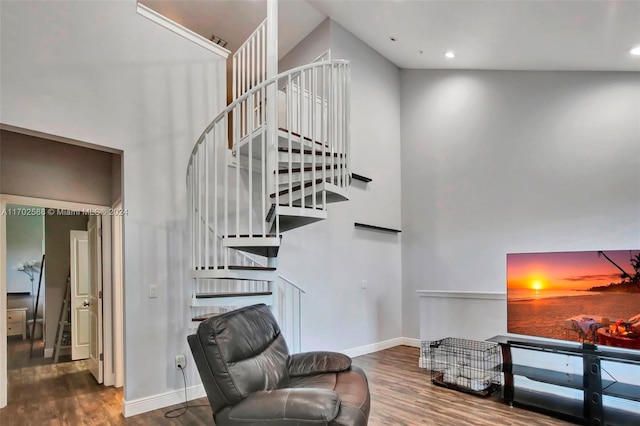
(238, 353)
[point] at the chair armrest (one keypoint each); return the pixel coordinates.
(317, 362)
(288, 406)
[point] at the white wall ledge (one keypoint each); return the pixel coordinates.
(492, 295)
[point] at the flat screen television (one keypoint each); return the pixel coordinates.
(584, 296)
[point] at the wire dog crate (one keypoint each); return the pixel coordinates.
(465, 365)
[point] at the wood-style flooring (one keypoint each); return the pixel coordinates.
(401, 394)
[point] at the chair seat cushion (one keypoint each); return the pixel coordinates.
(290, 406)
(352, 388)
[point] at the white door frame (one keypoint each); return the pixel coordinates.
(117, 298)
(111, 310)
(95, 360)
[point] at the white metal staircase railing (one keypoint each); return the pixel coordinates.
(289, 158)
(292, 160)
(250, 62)
(288, 303)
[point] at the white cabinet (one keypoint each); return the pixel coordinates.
(17, 322)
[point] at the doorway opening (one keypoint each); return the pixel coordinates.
(99, 315)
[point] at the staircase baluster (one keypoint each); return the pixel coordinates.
(347, 160)
(206, 198)
(332, 122)
(237, 182)
(312, 99)
(264, 53)
(301, 115)
(345, 129)
(234, 89)
(215, 198)
(199, 230)
(190, 214)
(289, 144)
(263, 166)
(225, 172)
(254, 64)
(339, 125)
(250, 167)
(323, 119)
(243, 113)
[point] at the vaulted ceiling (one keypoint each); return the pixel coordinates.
(483, 34)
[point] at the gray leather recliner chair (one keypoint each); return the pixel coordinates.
(251, 379)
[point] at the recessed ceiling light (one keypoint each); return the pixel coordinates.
(449, 54)
(635, 51)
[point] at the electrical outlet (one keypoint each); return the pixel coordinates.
(181, 361)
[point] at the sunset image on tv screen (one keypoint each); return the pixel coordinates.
(585, 296)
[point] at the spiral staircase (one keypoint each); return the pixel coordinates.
(270, 162)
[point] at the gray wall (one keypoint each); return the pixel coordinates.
(500, 162)
(331, 259)
(41, 168)
(115, 79)
(58, 246)
(313, 45)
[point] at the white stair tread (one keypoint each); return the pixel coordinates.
(253, 241)
(237, 274)
(334, 194)
(243, 300)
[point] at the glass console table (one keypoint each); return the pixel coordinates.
(590, 409)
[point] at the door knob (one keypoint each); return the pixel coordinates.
(85, 303)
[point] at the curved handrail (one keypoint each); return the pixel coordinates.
(291, 283)
(314, 108)
(253, 90)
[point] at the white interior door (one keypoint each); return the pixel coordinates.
(95, 298)
(79, 258)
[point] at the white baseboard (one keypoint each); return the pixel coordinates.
(410, 341)
(373, 347)
(154, 402)
(379, 346)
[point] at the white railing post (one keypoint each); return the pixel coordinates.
(206, 199)
(272, 103)
(323, 136)
(347, 122)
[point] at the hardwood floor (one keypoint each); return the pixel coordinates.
(18, 353)
(401, 394)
